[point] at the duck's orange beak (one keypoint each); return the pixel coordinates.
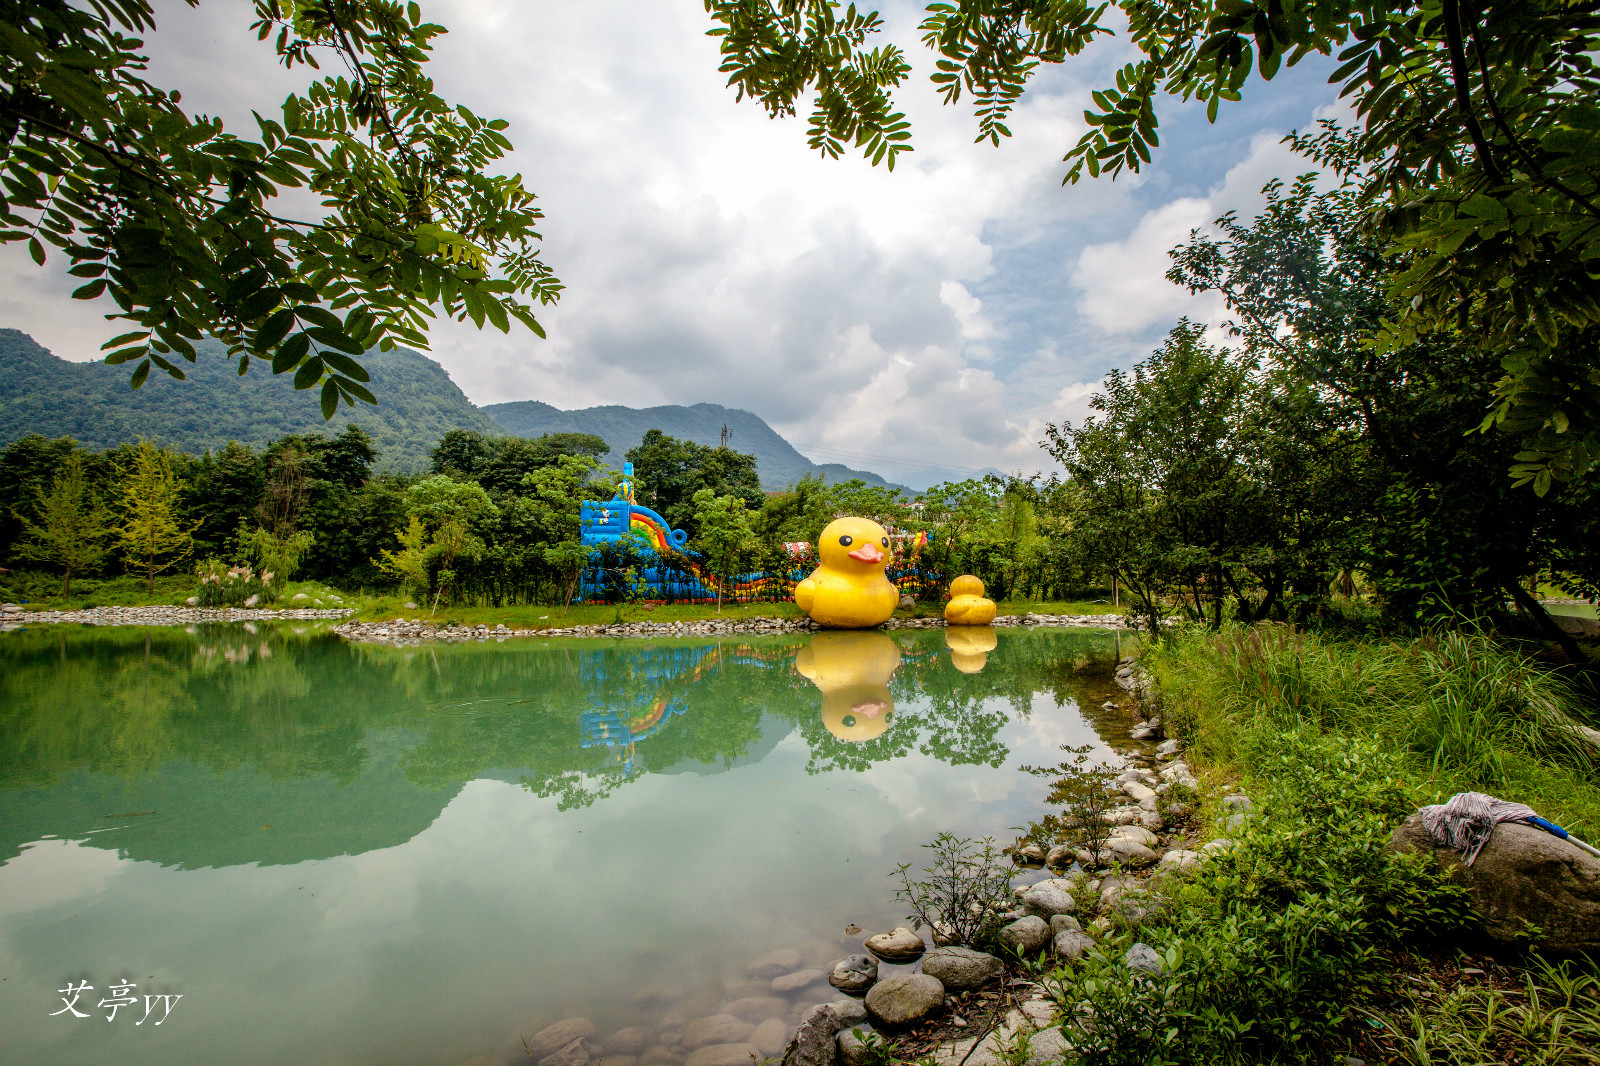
(868, 553)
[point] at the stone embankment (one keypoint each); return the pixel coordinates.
(13, 616)
(405, 632)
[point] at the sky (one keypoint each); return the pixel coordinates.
(924, 324)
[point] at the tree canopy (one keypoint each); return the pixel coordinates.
(175, 218)
(1477, 156)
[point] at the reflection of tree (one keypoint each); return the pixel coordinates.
(303, 714)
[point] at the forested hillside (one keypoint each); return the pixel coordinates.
(624, 427)
(39, 393)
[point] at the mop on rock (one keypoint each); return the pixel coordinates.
(1465, 822)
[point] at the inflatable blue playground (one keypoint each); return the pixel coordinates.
(665, 568)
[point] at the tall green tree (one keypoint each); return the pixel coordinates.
(1478, 153)
(724, 536)
(69, 527)
(153, 536)
(173, 217)
(670, 471)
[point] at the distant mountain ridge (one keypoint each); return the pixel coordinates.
(779, 464)
(417, 404)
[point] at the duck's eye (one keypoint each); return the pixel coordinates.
(848, 720)
(885, 542)
(847, 540)
(888, 716)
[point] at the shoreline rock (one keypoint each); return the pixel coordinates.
(164, 615)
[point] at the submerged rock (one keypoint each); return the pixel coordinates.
(715, 1029)
(754, 1009)
(552, 1038)
(794, 982)
(774, 964)
(770, 1036)
(741, 1054)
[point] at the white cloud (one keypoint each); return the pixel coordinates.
(710, 256)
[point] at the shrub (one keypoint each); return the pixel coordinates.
(963, 889)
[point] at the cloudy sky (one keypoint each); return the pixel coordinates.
(921, 323)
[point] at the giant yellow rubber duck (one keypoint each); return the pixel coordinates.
(853, 671)
(970, 646)
(849, 590)
(967, 607)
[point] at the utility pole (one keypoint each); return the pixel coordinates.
(727, 435)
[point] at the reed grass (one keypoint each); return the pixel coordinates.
(1463, 711)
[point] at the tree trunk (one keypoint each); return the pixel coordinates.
(66, 582)
(1542, 618)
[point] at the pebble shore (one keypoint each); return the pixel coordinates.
(409, 633)
(14, 617)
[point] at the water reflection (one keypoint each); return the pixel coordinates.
(852, 670)
(560, 827)
(970, 646)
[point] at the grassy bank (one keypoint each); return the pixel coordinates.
(1308, 940)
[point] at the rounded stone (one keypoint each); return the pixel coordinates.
(552, 1038)
(1071, 943)
(625, 1042)
(715, 1029)
(774, 964)
(661, 1056)
(850, 1011)
(898, 945)
(1024, 936)
(962, 969)
(1049, 897)
(854, 973)
(1059, 857)
(574, 1054)
(793, 982)
(741, 1054)
(769, 1036)
(1143, 959)
(1135, 832)
(905, 999)
(1128, 851)
(1180, 859)
(755, 1009)
(1060, 923)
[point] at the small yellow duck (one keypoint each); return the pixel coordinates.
(970, 646)
(849, 590)
(967, 607)
(853, 671)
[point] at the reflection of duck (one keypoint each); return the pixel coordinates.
(849, 590)
(970, 646)
(967, 607)
(853, 671)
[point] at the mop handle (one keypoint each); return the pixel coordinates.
(1556, 831)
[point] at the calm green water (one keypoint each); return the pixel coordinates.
(357, 854)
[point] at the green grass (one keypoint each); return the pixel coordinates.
(1460, 711)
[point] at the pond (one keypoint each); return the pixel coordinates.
(364, 854)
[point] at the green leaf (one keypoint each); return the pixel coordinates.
(290, 352)
(309, 374)
(90, 291)
(274, 329)
(330, 399)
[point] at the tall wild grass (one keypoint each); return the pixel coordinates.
(1462, 711)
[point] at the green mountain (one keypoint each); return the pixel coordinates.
(39, 393)
(624, 427)
(417, 404)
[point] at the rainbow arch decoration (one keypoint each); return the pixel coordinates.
(605, 523)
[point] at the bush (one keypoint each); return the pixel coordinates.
(1266, 945)
(965, 886)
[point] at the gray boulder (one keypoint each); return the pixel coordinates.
(1142, 958)
(1524, 875)
(854, 973)
(553, 1038)
(629, 1041)
(962, 969)
(1025, 935)
(905, 999)
(899, 945)
(852, 1051)
(1060, 923)
(1047, 898)
(814, 1042)
(1059, 857)
(850, 1011)
(1127, 851)
(1135, 832)
(1071, 943)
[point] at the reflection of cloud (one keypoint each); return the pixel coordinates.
(54, 873)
